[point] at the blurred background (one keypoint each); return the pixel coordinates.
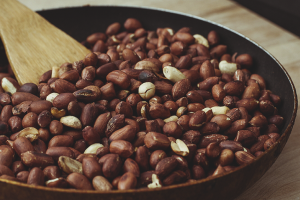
(274, 25)
(283, 13)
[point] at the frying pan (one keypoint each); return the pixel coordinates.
(79, 22)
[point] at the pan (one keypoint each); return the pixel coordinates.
(79, 22)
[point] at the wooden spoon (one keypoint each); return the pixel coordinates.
(33, 45)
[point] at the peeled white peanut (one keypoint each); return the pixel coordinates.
(181, 111)
(199, 39)
(173, 74)
(8, 86)
(115, 39)
(180, 148)
(173, 118)
(147, 90)
(92, 149)
(51, 97)
(71, 121)
(227, 68)
(171, 32)
(30, 133)
(145, 111)
(206, 109)
(155, 182)
(217, 110)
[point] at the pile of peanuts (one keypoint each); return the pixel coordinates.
(146, 109)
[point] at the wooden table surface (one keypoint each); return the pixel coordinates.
(282, 180)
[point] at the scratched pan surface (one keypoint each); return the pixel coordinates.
(79, 22)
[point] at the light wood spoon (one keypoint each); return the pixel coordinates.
(33, 45)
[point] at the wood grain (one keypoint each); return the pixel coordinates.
(282, 180)
(32, 44)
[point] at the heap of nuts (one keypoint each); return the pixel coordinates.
(146, 109)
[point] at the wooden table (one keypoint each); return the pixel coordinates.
(282, 181)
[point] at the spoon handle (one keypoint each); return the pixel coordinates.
(33, 45)
(12, 13)
(9, 9)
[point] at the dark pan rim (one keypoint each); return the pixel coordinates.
(285, 134)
